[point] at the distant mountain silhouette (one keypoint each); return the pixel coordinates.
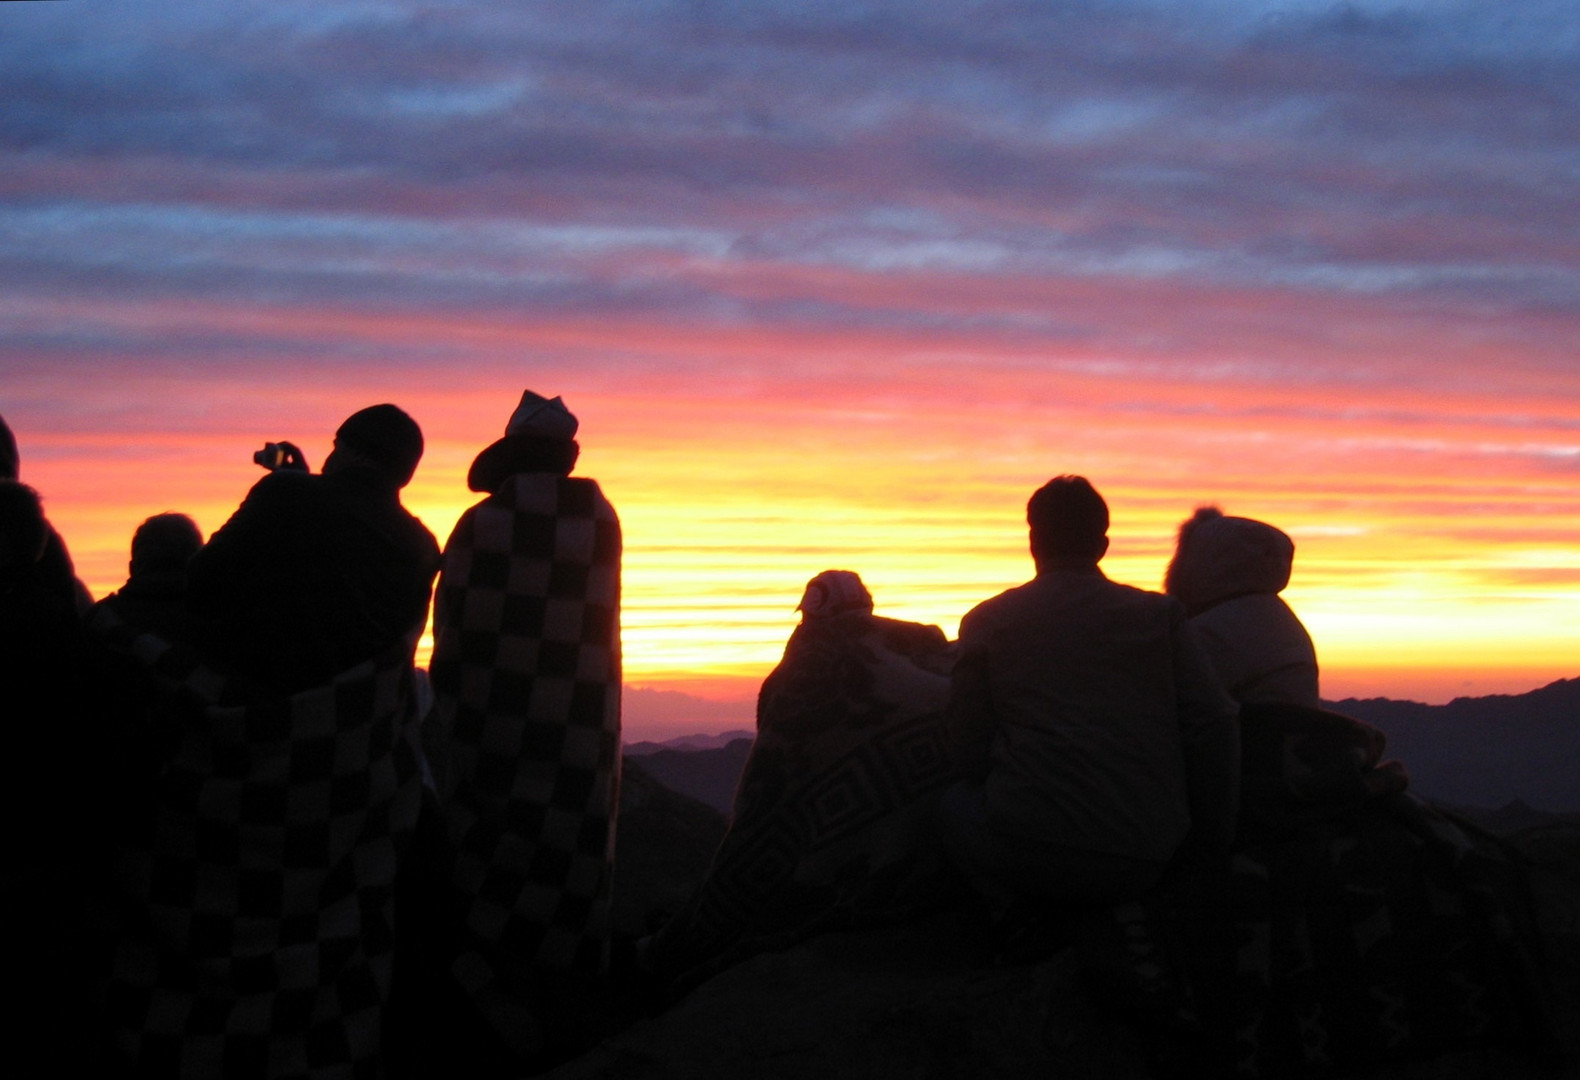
(688, 742)
(1486, 751)
(666, 842)
(709, 776)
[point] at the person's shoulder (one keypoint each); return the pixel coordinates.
(283, 488)
(997, 608)
(1143, 602)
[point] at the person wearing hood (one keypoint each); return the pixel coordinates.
(524, 738)
(1228, 572)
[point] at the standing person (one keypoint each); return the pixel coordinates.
(255, 856)
(54, 567)
(1228, 572)
(51, 796)
(524, 740)
(314, 573)
(1092, 728)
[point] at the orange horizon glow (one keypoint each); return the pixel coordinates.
(1438, 545)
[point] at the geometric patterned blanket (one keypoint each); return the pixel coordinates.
(832, 823)
(524, 743)
(254, 871)
(1357, 926)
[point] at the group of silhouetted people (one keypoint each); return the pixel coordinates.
(252, 857)
(273, 850)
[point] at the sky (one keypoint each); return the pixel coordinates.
(835, 285)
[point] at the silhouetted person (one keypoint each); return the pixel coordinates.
(257, 849)
(525, 735)
(154, 595)
(54, 567)
(855, 707)
(1228, 572)
(313, 574)
(47, 790)
(1092, 724)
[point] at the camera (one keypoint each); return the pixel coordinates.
(271, 457)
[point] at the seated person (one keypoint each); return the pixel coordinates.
(314, 574)
(832, 816)
(1090, 723)
(1228, 572)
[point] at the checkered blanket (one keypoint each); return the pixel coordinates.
(254, 873)
(832, 821)
(524, 740)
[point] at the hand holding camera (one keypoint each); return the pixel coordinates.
(281, 455)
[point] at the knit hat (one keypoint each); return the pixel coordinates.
(388, 436)
(834, 592)
(539, 437)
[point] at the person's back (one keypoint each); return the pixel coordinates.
(524, 739)
(1092, 719)
(315, 573)
(1087, 701)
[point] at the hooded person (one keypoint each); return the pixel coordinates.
(1228, 572)
(524, 738)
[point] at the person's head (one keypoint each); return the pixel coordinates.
(164, 542)
(1218, 557)
(834, 592)
(23, 532)
(1069, 524)
(9, 460)
(540, 436)
(380, 437)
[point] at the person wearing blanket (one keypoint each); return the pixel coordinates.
(524, 738)
(832, 822)
(251, 923)
(1089, 722)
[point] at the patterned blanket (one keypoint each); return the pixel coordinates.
(254, 873)
(1357, 926)
(832, 822)
(524, 742)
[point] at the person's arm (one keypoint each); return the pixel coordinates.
(969, 719)
(1209, 740)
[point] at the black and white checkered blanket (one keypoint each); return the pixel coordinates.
(524, 739)
(254, 873)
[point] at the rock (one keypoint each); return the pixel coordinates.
(911, 1001)
(664, 843)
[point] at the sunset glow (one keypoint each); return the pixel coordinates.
(832, 288)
